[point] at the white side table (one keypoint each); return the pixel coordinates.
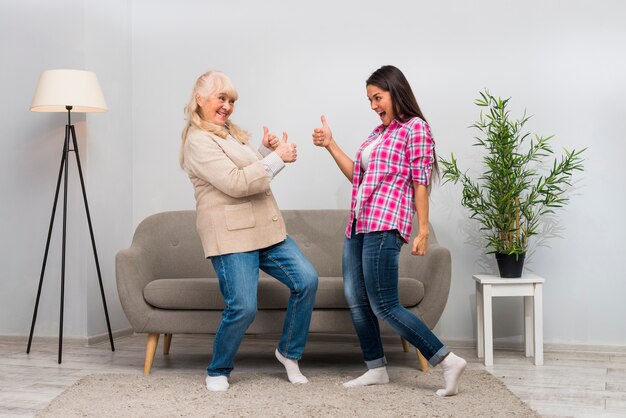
(529, 286)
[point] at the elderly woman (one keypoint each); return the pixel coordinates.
(240, 225)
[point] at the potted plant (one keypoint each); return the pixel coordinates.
(515, 190)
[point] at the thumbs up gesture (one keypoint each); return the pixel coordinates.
(269, 140)
(323, 136)
(286, 150)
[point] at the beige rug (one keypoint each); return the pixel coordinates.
(410, 394)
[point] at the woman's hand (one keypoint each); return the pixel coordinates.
(269, 140)
(420, 244)
(322, 137)
(286, 151)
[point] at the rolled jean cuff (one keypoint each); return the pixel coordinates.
(215, 374)
(374, 364)
(439, 356)
(294, 358)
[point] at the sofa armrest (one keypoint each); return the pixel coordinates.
(132, 274)
(434, 270)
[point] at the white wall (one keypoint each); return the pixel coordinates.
(107, 52)
(36, 36)
(563, 61)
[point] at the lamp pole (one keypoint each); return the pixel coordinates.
(63, 172)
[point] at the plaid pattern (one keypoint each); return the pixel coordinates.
(405, 155)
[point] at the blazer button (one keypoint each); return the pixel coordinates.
(275, 218)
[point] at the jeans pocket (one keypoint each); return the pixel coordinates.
(239, 216)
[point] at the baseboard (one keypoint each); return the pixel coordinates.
(453, 343)
(96, 339)
(76, 341)
(581, 348)
(547, 347)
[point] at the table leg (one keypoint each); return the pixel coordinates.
(488, 328)
(528, 325)
(538, 323)
(480, 337)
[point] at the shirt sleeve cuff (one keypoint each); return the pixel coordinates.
(273, 164)
(264, 151)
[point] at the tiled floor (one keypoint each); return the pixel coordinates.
(569, 384)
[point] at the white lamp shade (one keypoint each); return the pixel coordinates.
(60, 88)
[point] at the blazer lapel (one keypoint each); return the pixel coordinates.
(236, 152)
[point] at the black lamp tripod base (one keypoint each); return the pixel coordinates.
(63, 173)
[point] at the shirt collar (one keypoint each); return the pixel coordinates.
(380, 128)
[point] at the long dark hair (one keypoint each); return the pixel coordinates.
(391, 79)
(405, 107)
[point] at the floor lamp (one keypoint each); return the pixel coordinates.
(67, 91)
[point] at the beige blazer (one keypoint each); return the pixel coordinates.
(236, 210)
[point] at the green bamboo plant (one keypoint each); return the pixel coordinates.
(512, 195)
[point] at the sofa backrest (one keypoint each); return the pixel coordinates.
(319, 234)
(172, 244)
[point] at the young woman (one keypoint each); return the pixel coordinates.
(390, 178)
(240, 225)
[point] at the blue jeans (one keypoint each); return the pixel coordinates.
(370, 274)
(238, 276)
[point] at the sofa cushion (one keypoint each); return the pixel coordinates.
(204, 293)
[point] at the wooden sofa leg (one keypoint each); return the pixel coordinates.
(422, 360)
(405, 345)
(153, 340)
(167, 341)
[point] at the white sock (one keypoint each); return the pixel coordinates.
(293, 371)
(217, 383)
(377, 376)
(453, 367)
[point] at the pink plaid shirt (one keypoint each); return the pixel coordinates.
(405, 155)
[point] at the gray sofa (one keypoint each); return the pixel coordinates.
(166, 286)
